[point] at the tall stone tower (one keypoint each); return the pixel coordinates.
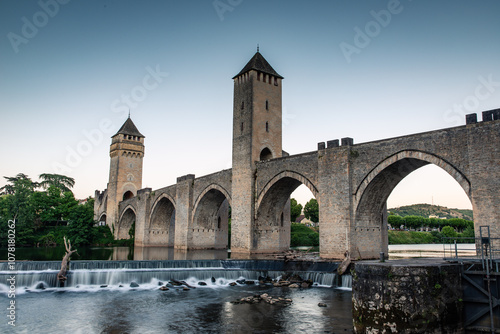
(125, 171)
(257, 136)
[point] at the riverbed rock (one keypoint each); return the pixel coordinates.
(164, 288)
(186, 288)
(322, 305)
(213, 279)
(241, 281)
(263, 298)
(294, 286)
(202, 283)
(103, 286)
(233, 284)
(40, 286)
(134, 285)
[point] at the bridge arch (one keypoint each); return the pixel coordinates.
(210, 224)
(271, 230)
(370, 198)
(161, 230)
(291, 178)
(126, 221)
(102, 217)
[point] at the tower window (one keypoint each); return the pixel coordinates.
(269, 79)
(258, 76)
(282, 219)
(267, 126)
(267, 105)
(218, 222)
(275, 81)
(241, 127)
(242, 105)
(266, 154)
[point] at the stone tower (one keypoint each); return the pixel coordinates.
(125, 170)
(257, 136)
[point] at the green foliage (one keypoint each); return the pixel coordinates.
(449, 232)
(415, 222)
(45, 217)
(61, 182)
(302, 235)
(295, 209)
(434, 237)
(468, 232)
(410, 237)
(17, 204)
(425, 210)
(81, 224)
(311, 210)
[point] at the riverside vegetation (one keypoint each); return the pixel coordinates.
(46, 211)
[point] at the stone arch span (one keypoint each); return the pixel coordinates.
(271, 231)
(289, 175)
(127, 219)
(161, 231)
(210, 225)
(370, 211)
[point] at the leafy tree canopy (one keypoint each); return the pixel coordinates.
(311, 210)
(295, 209)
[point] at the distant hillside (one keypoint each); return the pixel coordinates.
(425, 210)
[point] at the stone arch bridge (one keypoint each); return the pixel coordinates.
(351, 183)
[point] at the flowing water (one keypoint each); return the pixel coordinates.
(124, 297)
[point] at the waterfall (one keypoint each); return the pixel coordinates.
(93, 275)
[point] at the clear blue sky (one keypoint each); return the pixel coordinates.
(66, 70)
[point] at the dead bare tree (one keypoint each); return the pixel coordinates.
(61, 275)
(345, 263)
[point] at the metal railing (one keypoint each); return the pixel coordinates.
(482, 248)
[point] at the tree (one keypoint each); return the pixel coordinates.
(17, 204)
(395, 221)
(449, 232)
(311, 210)
(81, 223)
(295, 209)
(65, 183)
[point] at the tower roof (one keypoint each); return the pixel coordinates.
(259, 63)
(129, 128)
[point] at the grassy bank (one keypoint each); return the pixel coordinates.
(434, 237)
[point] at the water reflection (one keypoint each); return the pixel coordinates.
(169, 253)
(117, 253)
(201, 310)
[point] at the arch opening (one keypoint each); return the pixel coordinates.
(266, 154)
(128, 195)
(102, 220)
(126, 226)
(210, 228)
(272, 229)
(370, 216)
(162, 223)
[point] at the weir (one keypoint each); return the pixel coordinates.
(92, 275)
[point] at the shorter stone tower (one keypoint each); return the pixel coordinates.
(125, 170)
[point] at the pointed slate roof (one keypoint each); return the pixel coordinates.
(259, 63)
(129, 128)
